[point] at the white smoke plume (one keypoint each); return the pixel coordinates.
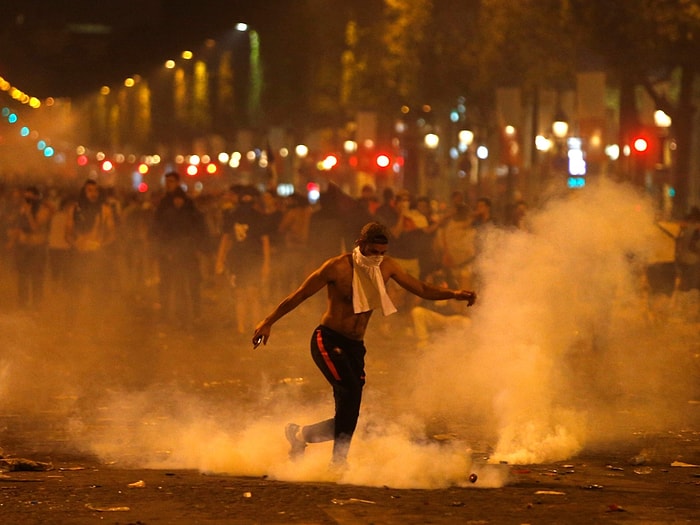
(563, 338)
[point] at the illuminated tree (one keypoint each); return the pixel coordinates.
(201, 114)
(115, 119)
(180, 94)
(526, 43)
(404, 35)
(142, 124)
(350, 65)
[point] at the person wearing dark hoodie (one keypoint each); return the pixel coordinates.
(244, 256)
(181, 233)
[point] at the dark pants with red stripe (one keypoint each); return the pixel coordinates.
(342, 362)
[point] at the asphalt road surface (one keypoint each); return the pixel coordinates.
(595, 487)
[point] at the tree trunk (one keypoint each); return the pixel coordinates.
(683, 132)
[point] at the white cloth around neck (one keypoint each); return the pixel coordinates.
(368, 290)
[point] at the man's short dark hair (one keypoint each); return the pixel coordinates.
(373, 233)
(174, 174)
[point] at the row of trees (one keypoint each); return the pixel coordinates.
(383, 55)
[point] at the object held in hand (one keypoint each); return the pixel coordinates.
(256, 341)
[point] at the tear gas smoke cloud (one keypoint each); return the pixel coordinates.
(561, 340)
(553, 350)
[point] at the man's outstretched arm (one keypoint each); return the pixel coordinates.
(312, 284)
(423, 289)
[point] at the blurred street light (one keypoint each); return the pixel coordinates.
(301, 151)
(560, 126)
(661, 119)
(466, 137)
(542, 143)
(350, 146)
(432, 141)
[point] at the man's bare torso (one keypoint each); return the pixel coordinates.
(339, 314)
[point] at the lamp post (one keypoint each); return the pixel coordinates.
(511, 156)
(560, 130)
(431, 141)
(663, 124)
(543, 147)
(301, 151)
(482, 155)
(465, 166)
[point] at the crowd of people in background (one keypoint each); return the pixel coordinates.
(252, 246)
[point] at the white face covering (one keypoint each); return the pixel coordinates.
(368, 291)
(373, 260)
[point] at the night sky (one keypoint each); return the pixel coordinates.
(70, 47)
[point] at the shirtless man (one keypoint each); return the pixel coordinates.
(356, 286)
